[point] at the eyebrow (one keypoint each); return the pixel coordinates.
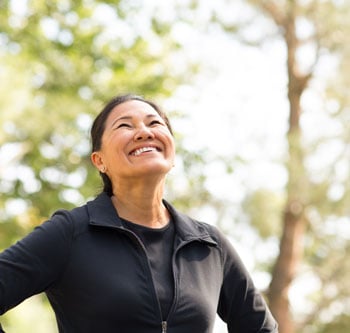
(130, 117)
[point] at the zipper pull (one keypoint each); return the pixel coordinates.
(164, 326)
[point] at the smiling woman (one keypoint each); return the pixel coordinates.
(128, 261)
(136, 141)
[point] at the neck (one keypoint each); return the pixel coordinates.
(141, 204)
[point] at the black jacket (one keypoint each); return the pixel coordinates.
(97, 276)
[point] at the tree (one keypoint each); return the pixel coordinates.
(60, 63)
(319, 27)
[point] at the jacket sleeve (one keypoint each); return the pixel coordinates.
(34, 263)
(241, 305)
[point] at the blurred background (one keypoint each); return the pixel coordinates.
(257, 92)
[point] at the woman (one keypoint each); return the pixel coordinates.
(128, 261)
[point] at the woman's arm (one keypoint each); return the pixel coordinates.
(31, 265)
(241, 305)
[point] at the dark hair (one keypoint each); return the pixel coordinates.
(99, 124)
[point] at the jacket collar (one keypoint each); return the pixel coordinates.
(189, 229)
(103, 214)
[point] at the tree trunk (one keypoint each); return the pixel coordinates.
(291, 243)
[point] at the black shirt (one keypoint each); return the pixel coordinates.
(159, 247)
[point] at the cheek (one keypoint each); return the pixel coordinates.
(169, 139)
(172, 148)
(115, 142)
(111, 152)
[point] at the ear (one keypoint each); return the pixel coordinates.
(97, 161)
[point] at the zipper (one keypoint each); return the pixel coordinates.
(135, 238)
(164, 326)
(139, 243)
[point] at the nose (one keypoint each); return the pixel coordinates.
(143, 133)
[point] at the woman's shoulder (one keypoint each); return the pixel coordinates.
(98, 211)
(73, 220)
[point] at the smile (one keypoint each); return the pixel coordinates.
(139, 151)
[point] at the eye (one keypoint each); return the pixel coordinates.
(156, 122)
(123, 125)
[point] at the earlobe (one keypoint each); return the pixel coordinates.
(97, 161)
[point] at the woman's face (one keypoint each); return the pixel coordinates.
(136, 143)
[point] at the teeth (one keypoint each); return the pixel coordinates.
(143, 149)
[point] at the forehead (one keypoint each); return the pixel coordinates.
(133, 108)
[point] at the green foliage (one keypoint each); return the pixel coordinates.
(338, 325)
(263, 208)
(187, 188)
(60, 62)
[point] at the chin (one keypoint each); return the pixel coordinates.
(158, 169)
